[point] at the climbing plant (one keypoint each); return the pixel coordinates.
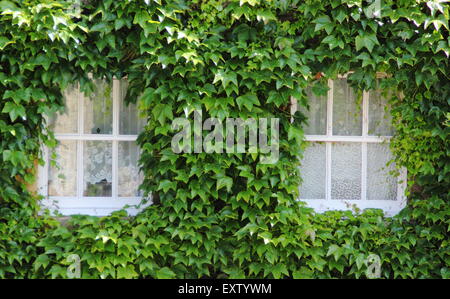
(225, 215)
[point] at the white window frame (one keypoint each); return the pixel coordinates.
(79, 204)
(390, 207)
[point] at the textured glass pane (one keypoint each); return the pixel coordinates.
(312, 171)
(347, 119)
(130, 123)
(97, 168)
(379, 115)
(129, 175)
(98, 109)
(317, 114)
(62, 179)
(346, 171)
(380, 184)
(67, 121)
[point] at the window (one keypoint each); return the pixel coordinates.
(96, 169)
(96, 160)
(345, 163)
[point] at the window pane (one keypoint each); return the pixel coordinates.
(62, 179)
(97, 168)
(380, 184)
(130, 122)
(379, 115)
(317, 114)
(129, 176)
(67, 122)
(347, 116)
(312, 171)
(346, 171)
(98, 109)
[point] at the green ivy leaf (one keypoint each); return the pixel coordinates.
(4, 42)
(248, 100)
(14, 110)
(163, 112)
(165, 273)
(126, 272)
(367, 41)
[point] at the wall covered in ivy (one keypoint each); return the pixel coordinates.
(225, 215)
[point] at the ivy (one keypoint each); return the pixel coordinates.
(225, 215)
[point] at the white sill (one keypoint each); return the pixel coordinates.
(93, 206)
(389, 207)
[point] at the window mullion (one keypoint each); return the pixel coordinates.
(80, 144)
(115, 169)
(365, 114)
(364, 171)
(402, 185)
(43, 173)
(330, 108)
(328, 171)
(93, 137)
(328, 144)
(116, 97)
(294, 107)
(365, 129)
(369, 139)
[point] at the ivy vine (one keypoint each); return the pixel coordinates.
(225, 215)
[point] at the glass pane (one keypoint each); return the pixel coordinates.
(312, 171)
(130, 122)
(346, 171)
(347, 114)
(67, 122)
(62, 179)
(379, 115)
(380, 184)
(129, 175)
(98, 109)
(317, 114)
(97, 168)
